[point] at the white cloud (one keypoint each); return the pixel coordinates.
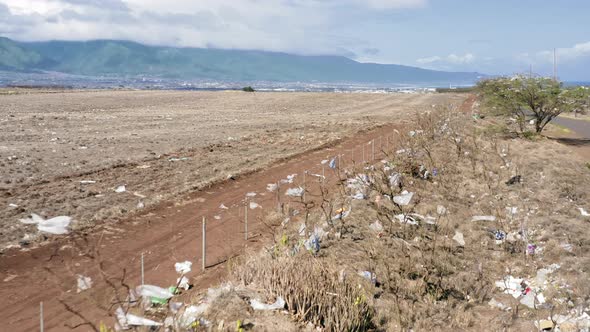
(452, 59)
(567, 54)
(301, 26)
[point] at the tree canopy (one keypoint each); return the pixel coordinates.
(541, 98)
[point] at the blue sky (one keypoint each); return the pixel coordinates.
(494, 37)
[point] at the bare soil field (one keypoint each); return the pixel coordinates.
(66, 153)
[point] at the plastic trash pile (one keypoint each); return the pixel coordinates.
(529, 292)
(57, 225)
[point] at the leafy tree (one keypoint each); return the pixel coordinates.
(542, 98)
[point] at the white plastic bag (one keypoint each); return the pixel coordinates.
(278, 304)
(154, 291)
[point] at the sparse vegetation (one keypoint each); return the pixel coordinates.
(540, 98)
(248, 89)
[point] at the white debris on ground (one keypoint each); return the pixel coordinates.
(376, 227)
(183, 267)
(223, 207)
(83, 283)
(404, 198)
(149, 291)
(289, 179)
(258, 305)
(254, 205)
(125, 321)
(483, 218)
(183, 283)
(251, 194)
(295, 192)
(584, 212)
(272, 187)
(57, 225)
(529, 292)
(120, 189)
(459, 238)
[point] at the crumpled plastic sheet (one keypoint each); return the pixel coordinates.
(277, 305)
(183, 267)
(57, 225)
(295, 192)
(154, 291)
(404, 198)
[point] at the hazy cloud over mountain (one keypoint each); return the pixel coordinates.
(489, 36)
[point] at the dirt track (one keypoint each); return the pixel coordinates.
(170, 232)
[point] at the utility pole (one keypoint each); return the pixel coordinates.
(555, 64)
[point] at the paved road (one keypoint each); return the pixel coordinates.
(581, 127)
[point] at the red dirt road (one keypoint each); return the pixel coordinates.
(167, 233)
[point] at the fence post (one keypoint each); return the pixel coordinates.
(304, 186)
(41, 327)
(204, 257)
(142, 271)
(246, 222)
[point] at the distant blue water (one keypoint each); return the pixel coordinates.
(53, 80)
(577, 83)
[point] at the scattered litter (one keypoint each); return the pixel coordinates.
(511, 285)
(84, 283)
(302, 229)
(223, 207)
(151, 291)
(313, 243)
(183, 267)
(136, 194)
(183, 283)
(56, 225)
(251, 194)
(404, 198)
(140, 205)
(441, 210)
(514, 180)
(483, 218)
(277, 305)
(120, 189)
(126, 320)
(87, 182)
(376, 227)
(325, 161)
(495, 304)
(567, 247)
(341, 213)
(317, 175)
(289, 179)
(173, 159)
(530, 249)
(295, 192)
(372, 277)
(254, 205)
(217, 217)
(584, 212)
(332, 163)
(544, 325)
(143, 166)
(358, 196)
(459, 238)
(12, 205)
(499, 235)
(191, 314)
(406, 219)
(272, 187)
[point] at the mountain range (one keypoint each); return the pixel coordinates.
(129, 59)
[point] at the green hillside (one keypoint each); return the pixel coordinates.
(123, 58)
